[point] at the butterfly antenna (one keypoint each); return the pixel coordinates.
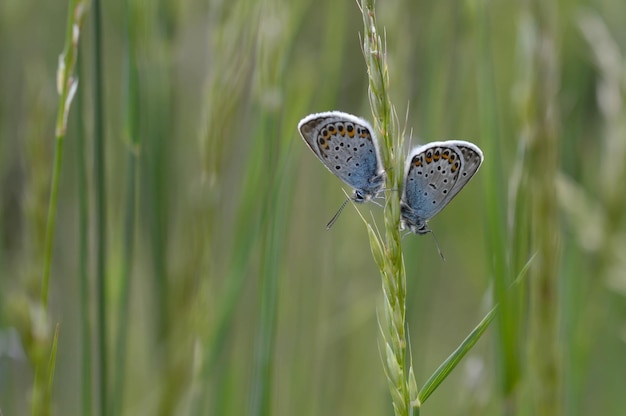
(334, 218)
(437, 244)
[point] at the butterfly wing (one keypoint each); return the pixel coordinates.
(435, 173)
(347, 146)
(472, 159)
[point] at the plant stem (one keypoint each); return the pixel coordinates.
(543, 164)
(100, 202)
(388, 253)
(66, 87)
(83, 250)
(133, 143)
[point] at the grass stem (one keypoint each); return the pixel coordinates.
(388, 252)
(100, 206)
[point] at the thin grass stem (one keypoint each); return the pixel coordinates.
(388, 252)
(66, 87)
(83, 260)
(543, 161)
(133, 142)
(498, 241)
(99, 160)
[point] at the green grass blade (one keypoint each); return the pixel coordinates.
(52, 361)
(455, 358)
(67, 85)
(276, 209)
(99, 174)
(261, 383)
(498, 240)
(133, 142)
(83, 257)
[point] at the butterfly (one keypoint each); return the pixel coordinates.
(434, 174)
(348, 147)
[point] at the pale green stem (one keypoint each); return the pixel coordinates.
(388, 254)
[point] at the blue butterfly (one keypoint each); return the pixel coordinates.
(434, 174)
(348, 147)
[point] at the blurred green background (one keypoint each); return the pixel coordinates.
(223, 284)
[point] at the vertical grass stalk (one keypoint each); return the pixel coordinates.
(595, 214)
(224, 97)
(100, 205)
(387, 252)
(66, 87)
(507, 247)
(83, 250)
(541, 164)
(277, 186)
(133, 142)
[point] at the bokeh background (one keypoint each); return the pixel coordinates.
(225, 294)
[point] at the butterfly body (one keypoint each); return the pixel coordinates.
(348, 147)
(434, 174)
